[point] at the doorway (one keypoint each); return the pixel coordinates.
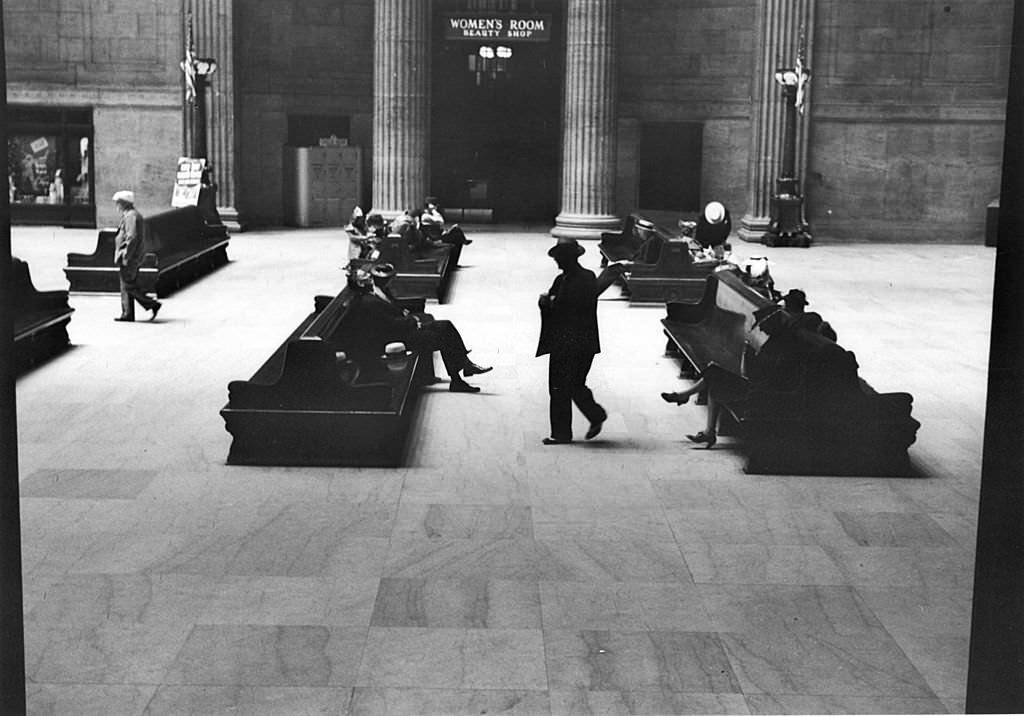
(496, 109)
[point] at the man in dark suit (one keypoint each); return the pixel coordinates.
(569, 335)
(384, 317)
(129, 249)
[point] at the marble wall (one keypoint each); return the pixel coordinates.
(907, 118)
(108, 56)
(310, 58)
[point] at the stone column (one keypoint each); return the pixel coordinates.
(778, 28)
(214, 32)
(401, 105)
(589, 122)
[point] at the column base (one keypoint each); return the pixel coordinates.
(584, 226)
(230, 218)
(753, 229)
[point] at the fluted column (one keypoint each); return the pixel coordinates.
(214, 32)
(401, 104)
(779, 23)
(589, 121)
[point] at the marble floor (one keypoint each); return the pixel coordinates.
(632, 574)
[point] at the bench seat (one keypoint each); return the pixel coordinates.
(180, 247)
(799, 432)
(41, 319)
(304, 407)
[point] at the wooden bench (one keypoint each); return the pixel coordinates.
(816, 428)
(427, 272)
(40, 319)
(663, 268)
(304, 406)
(180, 247)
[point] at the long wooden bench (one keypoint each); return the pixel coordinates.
(662, 268)
(427, 272)
(40, 319)
(306, 406)
(814, 429)
(180, 247)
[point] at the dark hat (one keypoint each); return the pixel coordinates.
(432, 200)
(383, 270)
(795, 295)
(765, 312)
(566, 246)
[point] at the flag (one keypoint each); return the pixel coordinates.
(188, 65)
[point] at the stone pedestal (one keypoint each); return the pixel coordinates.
(778, 26)
(401, 105)
(213, 28)
(589, 122)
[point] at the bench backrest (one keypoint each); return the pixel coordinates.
(26, 296)
(174, 230)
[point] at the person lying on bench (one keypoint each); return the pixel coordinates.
(776, 369)
(432, 225)
(393, 323)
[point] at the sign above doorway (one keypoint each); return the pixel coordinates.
(488, 26)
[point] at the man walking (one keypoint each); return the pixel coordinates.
(129, 248)
(569, 336)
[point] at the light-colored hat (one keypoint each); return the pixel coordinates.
(569, 246)
(714, 212)
(128, 197)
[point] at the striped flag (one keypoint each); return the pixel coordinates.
(188, 65)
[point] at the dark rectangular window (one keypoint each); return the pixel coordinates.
(670, 165)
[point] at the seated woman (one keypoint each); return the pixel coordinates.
(433, 229)
(775, 369)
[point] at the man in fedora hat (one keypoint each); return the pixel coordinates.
(796, 302)
(390, 322)
(129, 249)
(569, 336)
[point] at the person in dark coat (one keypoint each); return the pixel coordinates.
(796, 302)
(569, 336)
(389, 322)
(713, 226)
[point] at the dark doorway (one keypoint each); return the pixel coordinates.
(669, 164)
(496, 115)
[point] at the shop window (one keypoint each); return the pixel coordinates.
(49, 155)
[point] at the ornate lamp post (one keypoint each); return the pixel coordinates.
(197, 72)
(788, 227)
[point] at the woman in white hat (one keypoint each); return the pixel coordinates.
(713, 226)
(129, 249)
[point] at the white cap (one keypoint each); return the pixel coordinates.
(714, 212)
(124, 195)
(394, 349)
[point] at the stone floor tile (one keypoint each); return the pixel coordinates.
(644, 702)
(87, 699)
(818, 705)
(253, 655)
(623, 606)
(448, 702)
(457, 603)
(761, 564)
(776, 661)
(454, 659)
(665, 661)
(249, 700)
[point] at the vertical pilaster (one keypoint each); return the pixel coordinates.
(779, 23)
(401, 104)
(213, 28)
(589, 121)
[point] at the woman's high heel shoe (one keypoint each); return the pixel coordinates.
(702, 437)
(677, 398)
